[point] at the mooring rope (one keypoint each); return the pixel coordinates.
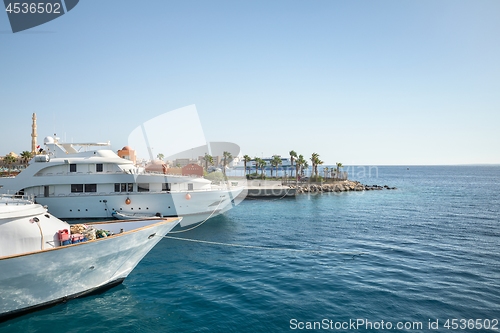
(353, 254)
(42, 240)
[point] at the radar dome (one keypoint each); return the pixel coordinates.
(48, 139)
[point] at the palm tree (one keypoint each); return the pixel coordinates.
(305, 165)
(318, 162)
(160, 156)
(262, 165)
(227, 158)
(300, 164)
(315, 162)
(246, 159)
(314, 158)
(26, 156)
(293, 156)
(208, 159)
(339, 165)
(9, 160)
(276, 161)
(257, 162)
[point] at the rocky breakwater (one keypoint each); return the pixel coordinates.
(343, 186)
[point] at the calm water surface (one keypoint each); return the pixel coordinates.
(428, 251)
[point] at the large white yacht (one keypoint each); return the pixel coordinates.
(88, 180)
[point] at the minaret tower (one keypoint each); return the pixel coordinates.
(33, 135)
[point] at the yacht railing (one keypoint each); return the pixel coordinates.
(79, 173)
(16, 199)
(169, 174)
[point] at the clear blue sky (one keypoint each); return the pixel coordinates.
(359, 82)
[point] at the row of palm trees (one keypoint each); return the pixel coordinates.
(260, 163)
(226, 158)
(300, 164)
(25, 157)
(9, 160)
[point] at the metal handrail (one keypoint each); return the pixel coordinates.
(16, 199)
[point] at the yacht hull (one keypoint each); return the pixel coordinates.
(197, 205)
(38, 279)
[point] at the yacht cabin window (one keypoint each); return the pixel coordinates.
(142, 187)
(76, 188)
(72, 167)
(124, 187)
(90, 188)
(80, 188)
(190, 187)
(98, 167)
(165, 187)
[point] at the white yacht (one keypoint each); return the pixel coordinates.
(42, 262)
(88, 180)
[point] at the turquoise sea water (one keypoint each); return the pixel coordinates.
(420, 255)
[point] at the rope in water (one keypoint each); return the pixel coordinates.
(353, 254)
(266, 248)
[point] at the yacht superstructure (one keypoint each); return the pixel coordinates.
(76, 180)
